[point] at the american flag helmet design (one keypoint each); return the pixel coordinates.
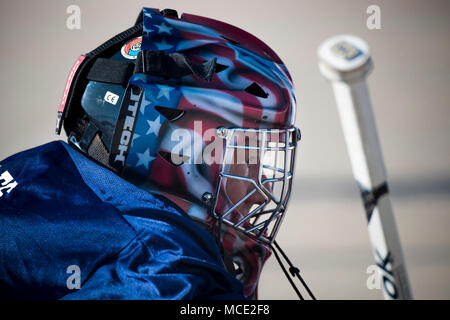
(249, 92)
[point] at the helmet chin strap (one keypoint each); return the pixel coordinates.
(276, 249)
(295, 272)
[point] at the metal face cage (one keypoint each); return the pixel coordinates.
(255, 180)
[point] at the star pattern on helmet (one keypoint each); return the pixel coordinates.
(159, 33)
(144, 105)
(147, 13)
(154, 126)
(164, 91)
(135, 136)
(163, 45)
(148, 124)
(163, 28)
(144, 158)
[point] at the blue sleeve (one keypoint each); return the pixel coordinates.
(158, 266)
(64, 210)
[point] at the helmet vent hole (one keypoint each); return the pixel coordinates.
(169, 113)
(256, 90)
(169, 13)
(220, 67)
(237, 268)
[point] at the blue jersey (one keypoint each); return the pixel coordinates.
(71, 229)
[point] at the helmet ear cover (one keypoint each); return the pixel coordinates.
(71, 115)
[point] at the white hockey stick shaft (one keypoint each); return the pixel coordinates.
(358, 123)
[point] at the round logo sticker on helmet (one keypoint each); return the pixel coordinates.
(131, 49)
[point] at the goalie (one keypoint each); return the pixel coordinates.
(142, 213)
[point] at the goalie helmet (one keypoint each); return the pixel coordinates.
(200, 112)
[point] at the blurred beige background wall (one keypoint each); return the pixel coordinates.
(325, 230)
